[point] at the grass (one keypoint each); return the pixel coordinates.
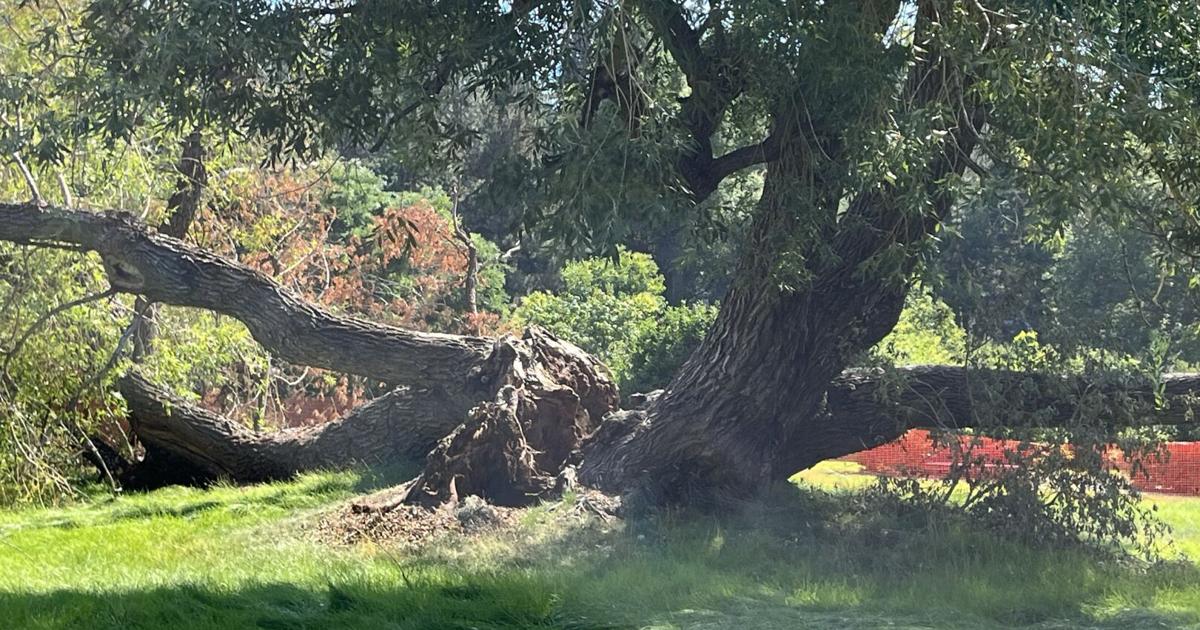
(231, 557)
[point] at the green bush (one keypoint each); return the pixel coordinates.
(358, 194)
(615, 310)
(926, 333)
(664, 343)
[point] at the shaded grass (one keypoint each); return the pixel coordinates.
(239, 558)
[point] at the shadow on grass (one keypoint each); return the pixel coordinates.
(487, 602)
(284, 606)
(798, 560)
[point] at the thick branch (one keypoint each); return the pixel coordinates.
(681, 40)
(169, 271)
(866, 409)
(744, 157)
(714, 86)
(402, 426)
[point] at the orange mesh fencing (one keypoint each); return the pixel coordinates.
(915, 454)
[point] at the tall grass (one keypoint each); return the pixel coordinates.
(242, 558)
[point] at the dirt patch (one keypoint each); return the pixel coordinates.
(414, 525)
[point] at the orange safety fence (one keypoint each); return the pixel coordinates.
(915, 454)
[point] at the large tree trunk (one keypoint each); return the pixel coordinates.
(741, 409)
(822, 279)
(764, 396)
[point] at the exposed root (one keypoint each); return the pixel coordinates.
(513, 450)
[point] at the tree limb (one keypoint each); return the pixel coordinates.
(865, 408)
(167, 270)
(401, 426)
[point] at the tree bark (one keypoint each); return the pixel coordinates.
(868, 407)
(764, 396)
(864, 408)
(401, 426)
(166, 270)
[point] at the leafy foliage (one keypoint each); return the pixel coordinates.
(602, 306)
(665, 342)
(1059, 486)
(927, 333)
(614, 309)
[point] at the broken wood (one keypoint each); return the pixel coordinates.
(504, 419)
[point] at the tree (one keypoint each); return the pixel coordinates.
(871, 122)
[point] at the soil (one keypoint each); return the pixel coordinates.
(408, 525)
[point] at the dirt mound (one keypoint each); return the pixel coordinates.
(413, 525)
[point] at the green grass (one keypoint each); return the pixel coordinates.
(241, 558)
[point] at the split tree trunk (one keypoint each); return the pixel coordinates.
(863, 408)
(505, 419)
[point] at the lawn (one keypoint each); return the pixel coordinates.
(232, 557)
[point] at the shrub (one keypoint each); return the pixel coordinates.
(614, 309)
(925, 334)
(664, 343)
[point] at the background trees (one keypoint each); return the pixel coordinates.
(867, 132)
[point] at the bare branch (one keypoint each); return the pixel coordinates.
(41, 321)
(29, 180)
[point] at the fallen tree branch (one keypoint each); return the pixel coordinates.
(559, 394)
(169, 271)
(403, 425)
(867, 407)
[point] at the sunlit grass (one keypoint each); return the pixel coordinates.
(241, 558)
(835, 475)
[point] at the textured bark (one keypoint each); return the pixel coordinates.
(823, 278)
(548, 397)
(169, 271)
(400, 426)
(513, 448)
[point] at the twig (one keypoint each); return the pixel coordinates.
(45, 318)
(29, 180)
(68, 199)
(73, 402)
